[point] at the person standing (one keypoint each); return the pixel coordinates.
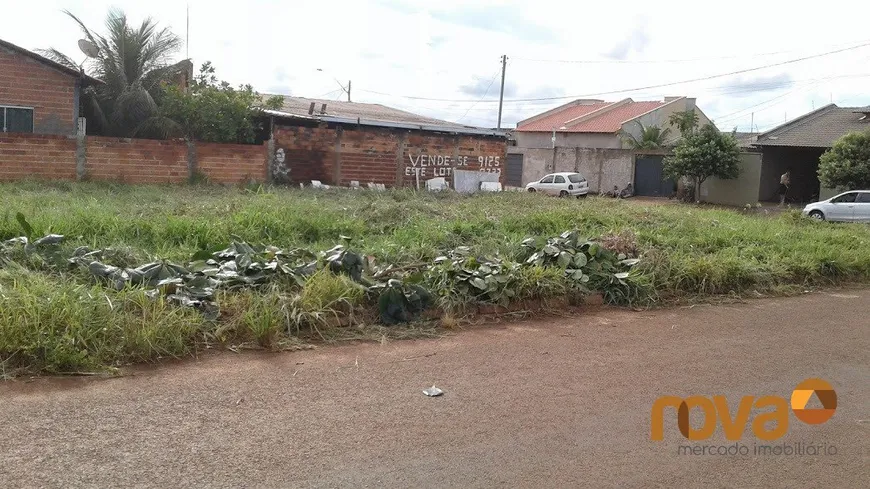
(784, 184)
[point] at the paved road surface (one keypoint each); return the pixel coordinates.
(551, 403)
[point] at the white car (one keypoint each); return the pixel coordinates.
(847, 207)
(562, 184)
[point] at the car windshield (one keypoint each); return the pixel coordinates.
(576, 178)
(845, 198)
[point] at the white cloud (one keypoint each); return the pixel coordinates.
(433, 50)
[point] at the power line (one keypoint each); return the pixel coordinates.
(720, 90)
(686, 60)
(742, 112)
(626, 90)
(491, 82)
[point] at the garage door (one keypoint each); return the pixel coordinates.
(649, 178)
(514, 169)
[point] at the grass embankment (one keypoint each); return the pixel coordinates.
(58, 321)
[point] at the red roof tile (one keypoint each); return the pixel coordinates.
(609, 121)
(558, 119)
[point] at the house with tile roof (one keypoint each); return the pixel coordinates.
(798, 145)
(592, 123)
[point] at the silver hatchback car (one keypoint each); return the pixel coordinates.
(851, 206)
(561, 184)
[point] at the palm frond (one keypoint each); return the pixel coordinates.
(159, 127)
(58, 57)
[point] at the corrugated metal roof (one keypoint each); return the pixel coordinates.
(817, 129)
(604, 117)
(356, 110)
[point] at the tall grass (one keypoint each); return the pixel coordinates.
(61, 323)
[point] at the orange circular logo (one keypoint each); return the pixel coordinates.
(804, 393)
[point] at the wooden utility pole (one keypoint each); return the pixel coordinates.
(348, 90)
(501, 95)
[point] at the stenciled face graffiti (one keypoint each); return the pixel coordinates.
(280, 171)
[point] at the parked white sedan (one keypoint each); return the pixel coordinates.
(561, 184)
(847, 207)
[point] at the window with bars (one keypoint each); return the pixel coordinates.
(16, 119)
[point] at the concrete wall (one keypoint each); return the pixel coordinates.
(660, 117)
(543, 140)
(826, 193)
(603, 168)
(739, 191)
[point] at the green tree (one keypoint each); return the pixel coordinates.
(211, 110)
(132, 62)
(651, 137)
(704, 154)
(847, 163)
(686, 121)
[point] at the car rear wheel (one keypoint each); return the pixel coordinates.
(563, 193)
(817, 215)
(532, 190)
(582, 196)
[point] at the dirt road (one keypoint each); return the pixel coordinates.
(554, 403)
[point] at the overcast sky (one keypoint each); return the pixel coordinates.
(449, 51)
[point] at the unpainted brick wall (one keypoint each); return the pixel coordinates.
(309, 151)
(231, 163)
(37, 156)
(372, 154)
(136, 160)
(25, 82)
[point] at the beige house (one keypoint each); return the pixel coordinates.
(589, 123)
(587, 136)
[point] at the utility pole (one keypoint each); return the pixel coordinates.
(751, 122)
(501, 95)
(348, 90)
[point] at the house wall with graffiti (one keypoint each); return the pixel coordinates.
(341, 154)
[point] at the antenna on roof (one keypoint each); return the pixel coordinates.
(90, 49)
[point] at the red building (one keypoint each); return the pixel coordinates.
(38, 95)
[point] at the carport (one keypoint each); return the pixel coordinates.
(798, 145)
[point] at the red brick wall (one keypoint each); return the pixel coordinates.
(309, 151)
(231, 163)
(136, 160)
(26, 82)
(439, 155)
(37, 156)
(368, 154)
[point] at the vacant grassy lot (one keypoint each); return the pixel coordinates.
(62, 321)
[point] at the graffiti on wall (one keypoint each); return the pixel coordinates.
(429, 166)
(280, 171)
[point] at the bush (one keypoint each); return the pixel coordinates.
(847, 163)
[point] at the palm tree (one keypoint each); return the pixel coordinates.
(686, 122)
(132, 62)
(651, 137)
